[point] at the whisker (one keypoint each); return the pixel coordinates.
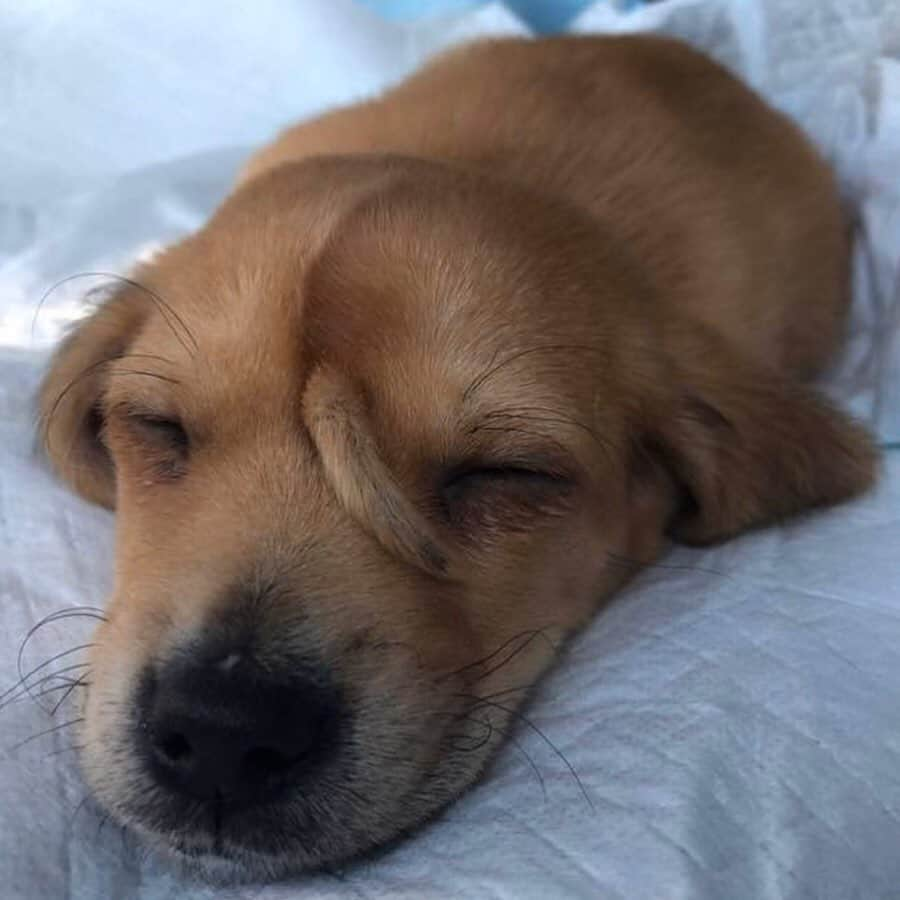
(89, 612)
(556, 417)
(74, 749)
(23, 678)
(144, 372)
(89, 370)
(489, 733)
(533, 764)
(480, 381)
(524, 719)
(529, 634)
(511, 429)
(48, 419)
(637, 565)
(46, 731)
(512, 690)
(65, 612)
(49, 619)
(66, 683)
(78, 682)
(538, 634)
(22, 695)
(103, 820)
(78, 809)
(165, 309)
(23, 681)
(43, 680)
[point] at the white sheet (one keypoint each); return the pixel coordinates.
(734, 716)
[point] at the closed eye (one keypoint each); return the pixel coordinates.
(158, 445)
(159, 431)
(502, 495)
(481, 475)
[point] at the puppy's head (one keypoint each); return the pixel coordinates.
(379, 438)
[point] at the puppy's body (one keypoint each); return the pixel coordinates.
(728, 211)
(442, 371)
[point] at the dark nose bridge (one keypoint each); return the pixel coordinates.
(260, 614)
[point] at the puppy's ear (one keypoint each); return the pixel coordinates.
(70, 398)
(746, 445)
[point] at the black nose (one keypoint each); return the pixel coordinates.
(230, 730)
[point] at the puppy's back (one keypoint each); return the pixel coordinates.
(728, 209)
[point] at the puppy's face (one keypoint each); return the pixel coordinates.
(379, 438)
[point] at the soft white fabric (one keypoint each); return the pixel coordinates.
(734, 716)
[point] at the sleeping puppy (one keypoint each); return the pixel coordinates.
(437, 377)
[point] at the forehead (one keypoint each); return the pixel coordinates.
(436, 280)
(423, 287)
(228, 343)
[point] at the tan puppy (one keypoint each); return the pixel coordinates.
(437, 376)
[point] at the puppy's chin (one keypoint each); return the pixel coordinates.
(205, 855)
(220, 859)
(220, 869)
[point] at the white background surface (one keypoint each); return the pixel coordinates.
(734, 716)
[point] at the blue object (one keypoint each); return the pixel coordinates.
(417, 9)
(544, 16)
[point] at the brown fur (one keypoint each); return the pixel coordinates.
(444, 360)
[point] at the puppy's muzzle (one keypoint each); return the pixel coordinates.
(228, 730)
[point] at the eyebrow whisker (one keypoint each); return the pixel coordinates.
(169, 315)
(480, 381)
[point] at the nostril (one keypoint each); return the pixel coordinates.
(173, 748)
(233, 730)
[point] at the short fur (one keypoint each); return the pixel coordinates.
(437, 376)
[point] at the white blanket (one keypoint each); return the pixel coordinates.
(733, 717)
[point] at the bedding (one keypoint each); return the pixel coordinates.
(728, 727)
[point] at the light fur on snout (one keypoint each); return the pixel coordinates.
(444, 370)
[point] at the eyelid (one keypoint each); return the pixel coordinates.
(129, 409)
(547, 467)
(488, 470)
(163, 423)
(155, 425)
(506, 498)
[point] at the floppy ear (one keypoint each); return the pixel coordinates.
(337, 420)
(748, 446)
(70, 398)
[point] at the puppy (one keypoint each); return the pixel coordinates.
(442, 371)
